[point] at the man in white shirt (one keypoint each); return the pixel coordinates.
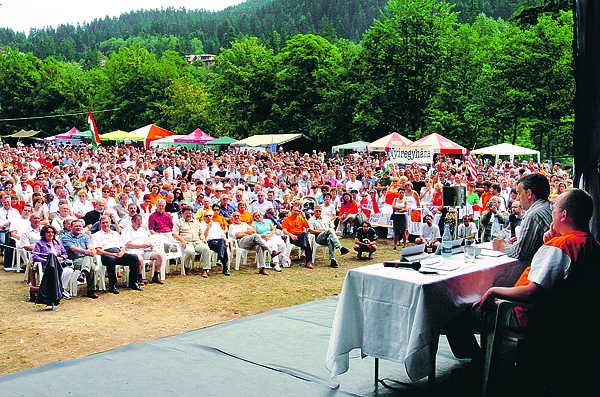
(137, 241)
(172, 172)
(7, 215)
(215, 238)
(260, 204)
(430, 233)
(467, 229)
(111, 248)
(353, 183)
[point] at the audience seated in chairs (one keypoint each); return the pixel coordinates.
(81, 252)
(137, 241)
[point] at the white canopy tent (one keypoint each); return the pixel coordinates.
(507, 149)
(358, 146)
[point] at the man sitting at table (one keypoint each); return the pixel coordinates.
(561, 282)
(533, 191)
(430, 233)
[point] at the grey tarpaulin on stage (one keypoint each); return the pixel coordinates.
(278, 353)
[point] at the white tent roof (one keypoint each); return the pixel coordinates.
(166, 142)
(507, 149)
(266, 140)
(360, 146)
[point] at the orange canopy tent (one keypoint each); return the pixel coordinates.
(151, 133)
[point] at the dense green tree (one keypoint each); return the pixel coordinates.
(20, 76)
(403, 60)
(242, 88)
(134, 82)
(309, 68)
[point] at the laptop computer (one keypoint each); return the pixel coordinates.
(414, 253)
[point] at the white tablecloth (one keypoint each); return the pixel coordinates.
(392, 313)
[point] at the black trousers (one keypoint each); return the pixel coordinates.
(110, 262)
(220, 247)
(304, 245)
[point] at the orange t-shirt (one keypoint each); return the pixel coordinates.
(485, 197)
(246, 217)
(294, 225)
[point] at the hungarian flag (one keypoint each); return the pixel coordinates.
(471, 168)
(374, 201)
(439, 170)
(95, 135)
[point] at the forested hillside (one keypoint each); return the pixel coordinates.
(416, 70)
(273, 22)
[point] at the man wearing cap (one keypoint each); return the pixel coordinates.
(225, 209)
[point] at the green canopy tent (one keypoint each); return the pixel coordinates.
(220, 143)
(83, 135)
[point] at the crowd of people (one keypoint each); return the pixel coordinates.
(121, 203)
(116, 201)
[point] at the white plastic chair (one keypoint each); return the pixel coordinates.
(315, 246)
(101, 273)
(242, 253)
(159, 245)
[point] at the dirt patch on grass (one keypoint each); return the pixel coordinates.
(32, 335)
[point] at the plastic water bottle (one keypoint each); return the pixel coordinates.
(447, 243)
(495, 229)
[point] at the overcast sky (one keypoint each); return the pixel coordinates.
(20, 15)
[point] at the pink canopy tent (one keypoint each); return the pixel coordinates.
(383, 144)
(64, 135)
(198, 136)
(440, 144)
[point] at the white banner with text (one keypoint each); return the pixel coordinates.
(411, 154)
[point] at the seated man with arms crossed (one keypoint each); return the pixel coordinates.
(296, 228)
(81, 251)
(111, 248)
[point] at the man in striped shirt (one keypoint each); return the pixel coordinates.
(533, 191)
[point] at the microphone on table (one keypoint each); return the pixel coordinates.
(512, 220)
(409, 265)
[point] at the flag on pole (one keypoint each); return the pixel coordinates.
(471, 167)
(439, 170)
(95, 135)
(374, 201)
